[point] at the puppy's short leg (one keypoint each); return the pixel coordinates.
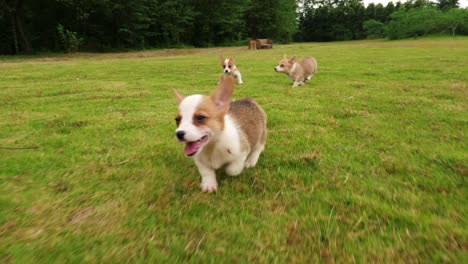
(296, 83)
(253, 157)
(208, 183)
(235, 168)
(239, 78)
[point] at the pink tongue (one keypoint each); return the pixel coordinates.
(191, 148)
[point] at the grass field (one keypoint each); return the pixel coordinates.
(367, 162)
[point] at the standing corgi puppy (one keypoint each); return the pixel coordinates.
(229, 68)
(300, 72)
(218, 132)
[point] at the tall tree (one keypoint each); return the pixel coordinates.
(397, 6)
(327, 20)
(370, 11)
(454, 19)
(380, 13)
(389, 9)
(15, 9)
(447, 4)
(175, 20)
(218, 22)
(413, 22)
(274, 19)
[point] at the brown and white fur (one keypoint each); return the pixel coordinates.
(298, 71)
(229, 68)
(218, 132)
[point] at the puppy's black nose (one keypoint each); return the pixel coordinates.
(180, 135)
(226, 71)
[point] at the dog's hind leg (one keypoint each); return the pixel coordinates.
(308, 78)
(253, 157)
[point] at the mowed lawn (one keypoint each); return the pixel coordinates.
(367, 162)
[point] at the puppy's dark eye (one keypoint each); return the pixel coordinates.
(177, 120)
(281, 65)
(200, 118)
(229, 66)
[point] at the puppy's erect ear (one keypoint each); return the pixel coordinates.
(232, 59)
(221, 59)
(285, 57)
(222, 95)
(292, 59)
(178, 95)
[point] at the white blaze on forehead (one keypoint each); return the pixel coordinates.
(226, 65)
(188, 106)
(187, 109)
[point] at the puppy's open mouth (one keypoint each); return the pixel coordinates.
(191, 148)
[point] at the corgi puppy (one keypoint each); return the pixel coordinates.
(229, 68)
(218, 132)
(300, 72)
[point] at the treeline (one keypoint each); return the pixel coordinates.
(329, 20)
(101, 25)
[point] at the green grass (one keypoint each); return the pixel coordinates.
(367, 162)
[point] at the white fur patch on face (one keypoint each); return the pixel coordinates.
(187, 109)
(226, 66)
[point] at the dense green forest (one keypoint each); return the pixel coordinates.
(102, 25)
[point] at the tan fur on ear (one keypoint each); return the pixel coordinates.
(292, 59)
(232, 59)
(222, 59)
(222, 95)
(178, 95)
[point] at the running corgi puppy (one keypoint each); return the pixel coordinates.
(300, 72)
(219, 132)
(229, 68)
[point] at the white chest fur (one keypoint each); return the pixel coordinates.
(292, 73)
(226, 149)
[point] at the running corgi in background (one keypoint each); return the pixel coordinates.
(298, 71)
(229, 68)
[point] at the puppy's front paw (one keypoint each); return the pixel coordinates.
(249, 163)
(209, 186)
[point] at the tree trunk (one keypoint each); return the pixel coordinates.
(19, 25)
(13, 31)
(12, 14)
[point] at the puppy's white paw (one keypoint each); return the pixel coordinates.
(297, 84)
(249, 163)
(241, 82)
(209, 186)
